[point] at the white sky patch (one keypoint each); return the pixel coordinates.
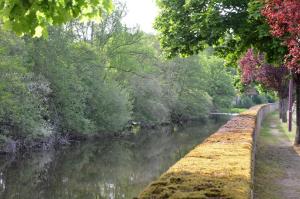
(141, 13)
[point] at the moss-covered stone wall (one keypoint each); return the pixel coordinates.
(221, 167)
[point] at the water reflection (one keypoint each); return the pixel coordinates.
(110, 169)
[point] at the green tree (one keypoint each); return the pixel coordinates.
(33, 17)
(187, 27)
(81, 101)
(89, 78)
(231, 27)
(22, 94)
(219, 81)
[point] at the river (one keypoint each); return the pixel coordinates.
(108, 169)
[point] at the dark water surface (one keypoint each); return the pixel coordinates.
(110, 169)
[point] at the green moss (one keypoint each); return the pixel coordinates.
(221, 167)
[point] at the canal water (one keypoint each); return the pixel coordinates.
(108, 169)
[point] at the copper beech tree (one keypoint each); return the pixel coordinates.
(283, 17)
(254, 69)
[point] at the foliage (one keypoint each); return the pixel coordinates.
(22, 94)
(82, 101)
(259, 99)
(245, 102)
(90, 78)
(148, 103)
(33, 17)
(255, 69)
(283, 18)
(219, 84)
(187, 27)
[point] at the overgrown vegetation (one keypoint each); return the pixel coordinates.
(89, 78)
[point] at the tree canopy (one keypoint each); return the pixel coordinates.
(283, 18)
(33, 17)
(232, 27)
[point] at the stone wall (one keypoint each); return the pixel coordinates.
(221, 167)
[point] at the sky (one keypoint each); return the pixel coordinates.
(141, 13)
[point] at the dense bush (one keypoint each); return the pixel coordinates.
(148, 102)
(22, 97)
(91, 82)
(248, 101)
(245, 102)
(259, 99)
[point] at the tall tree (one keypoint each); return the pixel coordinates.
(283, 17)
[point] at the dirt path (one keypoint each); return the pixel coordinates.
(277, 169)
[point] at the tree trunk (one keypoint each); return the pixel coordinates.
(297, 85)
(284, 110)
(290, 104)
(280, 108)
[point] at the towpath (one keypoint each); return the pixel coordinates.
(277, 168)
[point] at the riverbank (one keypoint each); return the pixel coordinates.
(277, 162)
(56, 140)
(106, 168)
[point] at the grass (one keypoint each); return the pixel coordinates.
(283, 127)
(268, 171)
(267, 165)
(265, 136)
(237, 110)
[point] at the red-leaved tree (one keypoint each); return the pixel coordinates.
(255, 70)
(283, 17)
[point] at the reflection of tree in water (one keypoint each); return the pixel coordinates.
(113, 169)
